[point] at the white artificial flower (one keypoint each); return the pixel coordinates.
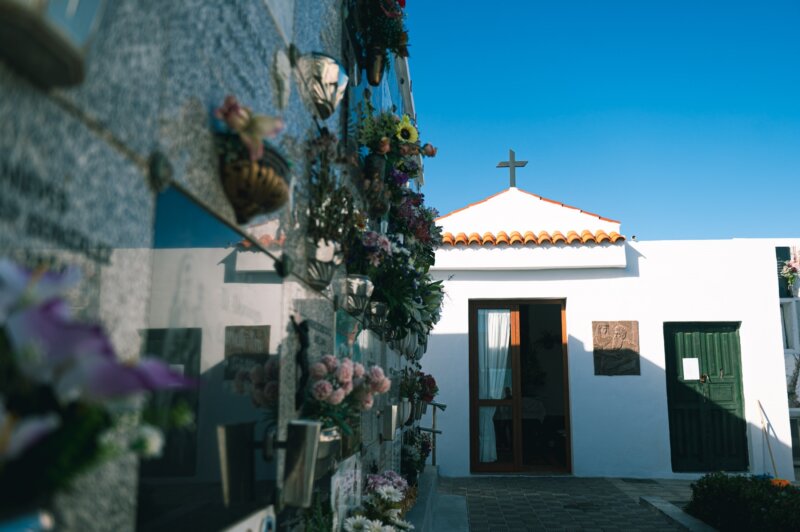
(402, 525)
(357, 523)
(149, 441)
(389, 493)
(375, 526)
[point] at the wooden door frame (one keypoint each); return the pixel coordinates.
(513, 305)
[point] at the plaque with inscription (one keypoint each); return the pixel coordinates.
(245, 346)
(616, 347)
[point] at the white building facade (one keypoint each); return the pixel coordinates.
(565, 348)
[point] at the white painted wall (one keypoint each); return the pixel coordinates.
(619, 424)
(188, 289)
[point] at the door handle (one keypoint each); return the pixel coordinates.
(704, 378)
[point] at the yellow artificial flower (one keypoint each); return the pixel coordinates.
(406, 132)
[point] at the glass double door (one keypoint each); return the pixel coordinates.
(507, 412)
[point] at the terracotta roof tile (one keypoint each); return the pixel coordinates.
(529, 238)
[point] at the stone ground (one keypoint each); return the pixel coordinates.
(511, 504)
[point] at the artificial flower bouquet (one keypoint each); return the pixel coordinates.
(66, 402)
(427, 386)
(417, 447)
(386, 498)
(261, 383)
(340, 389)
(254, 175)
(791, 269)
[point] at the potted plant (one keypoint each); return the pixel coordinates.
(380, 31)
(255, 176)
(62, 391)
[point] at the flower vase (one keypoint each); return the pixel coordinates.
(252, 187)
(376, 64)
(405, 410)
(322, 260)
(330, 442)
(794, 289)
(376, 316)
(355, 293)
(418, 410)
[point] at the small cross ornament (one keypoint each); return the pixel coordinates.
(512, 165)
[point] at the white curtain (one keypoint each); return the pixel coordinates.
(494, 374)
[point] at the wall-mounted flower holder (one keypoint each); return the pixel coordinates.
(302, 444)
(328, 452)
(354, 293)
(46, 40)
(376, 65)
(389, 416)
(405, 410)
(376, 314)
(323, 259)
(253, 187)
(237, 462)
(323, 81)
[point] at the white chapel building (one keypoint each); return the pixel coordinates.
(565, 347)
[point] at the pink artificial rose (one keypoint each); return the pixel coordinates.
(336, 397)
(318, 371)
(376, 374)
(358, 370)
(384, 146)
(236, 116)
(345, 372)
(321, 390)
(366, 402)
(271, 392)
(257, 375)
(347, 387)
(330, 362)
(382, 386)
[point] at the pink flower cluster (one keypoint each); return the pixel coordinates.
(388, 478)
(261, 382)
(335, 380)
(377, 246)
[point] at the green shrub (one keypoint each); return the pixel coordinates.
(745, 503)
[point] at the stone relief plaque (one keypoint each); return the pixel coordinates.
(245, 346)
(616, 347)
(345, 489)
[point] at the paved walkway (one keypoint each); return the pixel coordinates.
(511, 504)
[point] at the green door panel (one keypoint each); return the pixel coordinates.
(706, 416)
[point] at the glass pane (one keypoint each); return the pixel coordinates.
(214, 314)
(495, 434)
(494, 360)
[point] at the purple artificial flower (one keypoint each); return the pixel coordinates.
(98, 378)
(398, 177)
(19, 286)
(48, 332)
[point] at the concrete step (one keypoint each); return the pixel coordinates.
(421, 515)
(450, 514)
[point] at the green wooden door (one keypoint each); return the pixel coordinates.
(706, 407)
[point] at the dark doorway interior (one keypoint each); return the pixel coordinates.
(542, 379)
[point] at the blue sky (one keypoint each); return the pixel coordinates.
(681, 119)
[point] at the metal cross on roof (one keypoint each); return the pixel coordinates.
(512, 165)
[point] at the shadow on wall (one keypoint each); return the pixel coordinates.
(632, 256)
(639, 424)
(621, 425)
